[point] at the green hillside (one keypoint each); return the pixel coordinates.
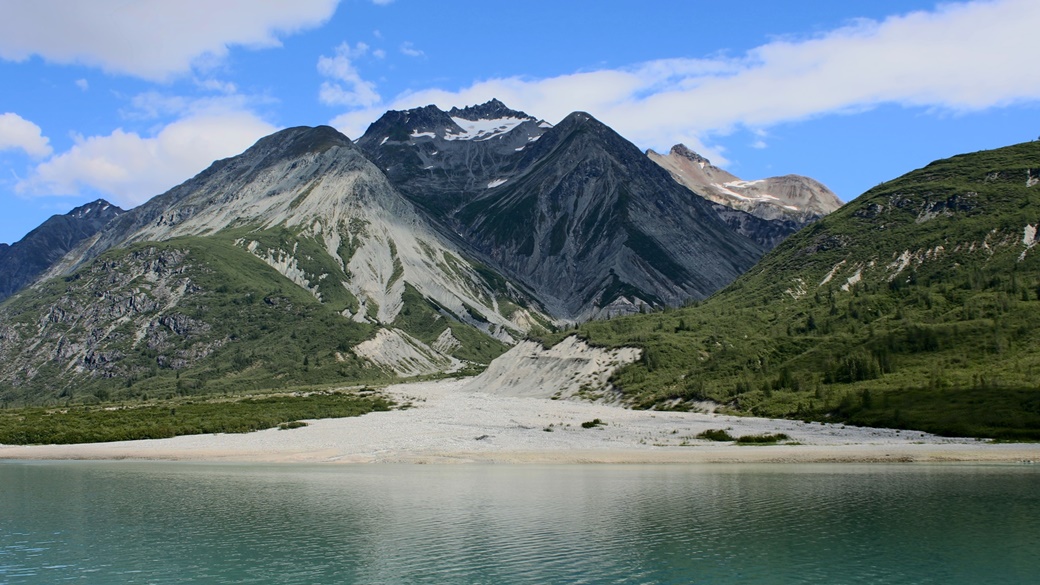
(199, 316)
(915, 306)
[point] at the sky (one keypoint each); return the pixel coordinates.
(123, 99)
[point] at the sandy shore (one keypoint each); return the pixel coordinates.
(447, 423)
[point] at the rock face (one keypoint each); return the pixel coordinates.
(313, 187)
(303, 209)
(575, 213)
(792, 201)
(441, 160)
(593, 227)
(23, 262)
(434, 243)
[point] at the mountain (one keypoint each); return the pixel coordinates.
(575, 213)
(792, 201)
(295, 262)
(23, 262)
(916, 305)
(441, 160)
(594, 228)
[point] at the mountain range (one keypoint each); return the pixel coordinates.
(430, 245)
(438, 240)
(916, 305)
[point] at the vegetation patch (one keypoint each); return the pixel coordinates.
(715, 435)
(916, 306)
(763, 439)
(160, 420)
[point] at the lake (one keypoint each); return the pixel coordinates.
(130, 522)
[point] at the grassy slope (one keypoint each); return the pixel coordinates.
(950, 344)
(263, 333)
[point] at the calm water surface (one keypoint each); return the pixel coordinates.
(112, 523)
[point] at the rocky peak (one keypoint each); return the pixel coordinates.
(297, 141)
(404, 125)
(685, 152)
(490, 110)
(792, 199)
(22, 262)
(97, 207)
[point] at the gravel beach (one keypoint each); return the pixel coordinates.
(449, 422)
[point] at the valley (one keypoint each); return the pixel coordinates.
(446, 243)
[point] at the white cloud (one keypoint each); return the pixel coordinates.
(346, 87)
(83, 84)
(216, 85)
(17, 133)
(152, 39)
(129, 168)
(408, 49)
(959, 57)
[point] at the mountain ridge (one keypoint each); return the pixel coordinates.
(793, 198)
(456, 181)
(301, 223)
(25, 260)
(913, 306)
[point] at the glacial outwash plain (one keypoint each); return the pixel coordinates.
(569, 299)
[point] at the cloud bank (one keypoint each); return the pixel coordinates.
(957, 58)
(151, 39)
(130, 168)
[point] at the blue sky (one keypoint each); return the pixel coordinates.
(124, 100)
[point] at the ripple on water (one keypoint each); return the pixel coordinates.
(136, 523)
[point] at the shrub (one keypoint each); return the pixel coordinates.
(590, 424)
(715, 435)
(762, 439)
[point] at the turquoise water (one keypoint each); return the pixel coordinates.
(111, 523)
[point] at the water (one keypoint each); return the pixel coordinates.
(113, 523)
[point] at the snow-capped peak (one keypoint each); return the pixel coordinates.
(483, 129)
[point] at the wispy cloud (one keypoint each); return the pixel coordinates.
(408, 49)
(83, 84)
(346, 87)
(166, 37)
(956, 58)
(17, 133)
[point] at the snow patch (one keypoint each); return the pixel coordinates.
(424, 135)
(483, 129)
(496, 183)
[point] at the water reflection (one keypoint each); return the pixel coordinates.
(176, 523)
